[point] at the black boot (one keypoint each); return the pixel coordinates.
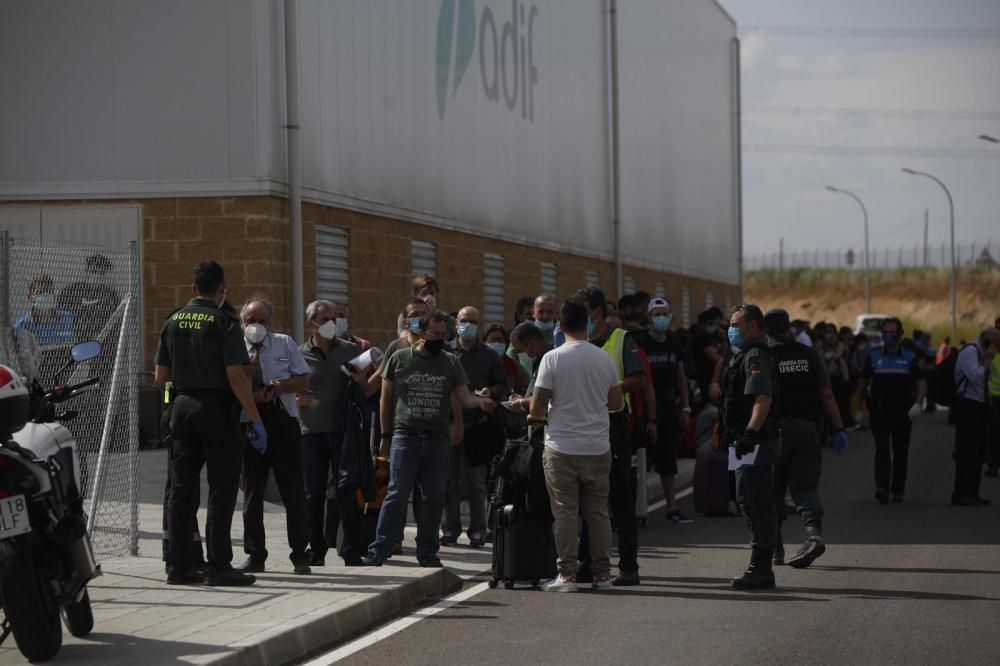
(810, 550)
(779, 551)
(759, 575)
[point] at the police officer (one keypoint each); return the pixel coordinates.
(201, 351)
(748, 389)
(805, 393)
(894, 391)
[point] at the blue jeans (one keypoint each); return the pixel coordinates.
(412, 457)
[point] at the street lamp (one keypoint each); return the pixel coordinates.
(987, 137)
(951, 208)
(868, 284)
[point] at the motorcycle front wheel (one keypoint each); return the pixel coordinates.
(79, 617)
(28, 602)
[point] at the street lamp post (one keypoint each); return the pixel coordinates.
(954, 269)
(864, 211)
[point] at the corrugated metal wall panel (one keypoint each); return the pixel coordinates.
(661, 290)
(686, 306)
(709, 298)
(594, 279)
(332, 269)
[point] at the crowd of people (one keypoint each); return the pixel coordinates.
(595, 379)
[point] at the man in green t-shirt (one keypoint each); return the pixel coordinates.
(420, 386)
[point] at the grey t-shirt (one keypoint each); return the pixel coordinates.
(328, 384)
(422, 386)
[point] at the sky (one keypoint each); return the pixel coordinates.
(846, 93)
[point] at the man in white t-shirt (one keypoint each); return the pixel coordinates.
(576, 386)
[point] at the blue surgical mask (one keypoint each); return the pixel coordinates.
(45, 302)
(467, 330)
(711, 329)
(591, 325)
(735, 338)
(661, 323)
(498, 347)
(525, 360)
(545, 325)
(890, 339)
(415, 325)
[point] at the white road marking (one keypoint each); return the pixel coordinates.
(399, 625)
(663, 502)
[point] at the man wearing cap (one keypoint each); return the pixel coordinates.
(805, 393)
(669, 385)
(972, 416)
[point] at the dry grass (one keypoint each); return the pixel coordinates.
(921, 297)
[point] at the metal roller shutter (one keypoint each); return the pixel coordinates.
(494, 295)
(549, 278)
(661, 290)
(332, 264)
(424, 258)
(594, 279)
(630, 287)
(686, 306)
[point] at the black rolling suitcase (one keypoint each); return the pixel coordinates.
(524, 548)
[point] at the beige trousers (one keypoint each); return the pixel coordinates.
(579, 485)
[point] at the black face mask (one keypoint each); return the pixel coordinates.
(434, 346)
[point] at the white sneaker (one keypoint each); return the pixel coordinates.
(602, 583)
(560, 584)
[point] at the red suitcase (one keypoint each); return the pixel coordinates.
(711, 483)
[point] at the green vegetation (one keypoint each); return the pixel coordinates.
(921, 297)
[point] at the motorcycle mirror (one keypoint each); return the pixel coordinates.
(86, 351)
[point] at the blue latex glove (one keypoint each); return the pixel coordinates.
(258, 437)
(839, 442)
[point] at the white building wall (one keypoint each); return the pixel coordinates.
(109, 98)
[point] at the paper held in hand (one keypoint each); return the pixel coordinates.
(747, 459)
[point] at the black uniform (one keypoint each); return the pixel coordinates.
(752, 373)
(801, 376)
(197, 343)
(894, 376)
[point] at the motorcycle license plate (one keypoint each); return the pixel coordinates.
(13, 516)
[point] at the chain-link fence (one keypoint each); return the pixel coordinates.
(52, 296)
(938, 255)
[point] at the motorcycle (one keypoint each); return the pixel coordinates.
(46, 558)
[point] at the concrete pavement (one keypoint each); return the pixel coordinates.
(910, 583)
(141, 619)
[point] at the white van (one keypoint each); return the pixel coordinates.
(870, 325)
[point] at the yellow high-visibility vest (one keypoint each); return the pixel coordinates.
(615, 347)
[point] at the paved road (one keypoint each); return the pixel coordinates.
(917, 582)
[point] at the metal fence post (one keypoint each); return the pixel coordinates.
(109, 412)
(5, 276)
(133, 402)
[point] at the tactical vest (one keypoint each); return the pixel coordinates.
(797, 381)
(615, 347)
(737, 408)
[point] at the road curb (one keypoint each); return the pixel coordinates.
(290, 643)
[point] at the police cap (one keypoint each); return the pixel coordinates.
(776, 322)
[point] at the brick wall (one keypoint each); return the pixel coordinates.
(249, 237)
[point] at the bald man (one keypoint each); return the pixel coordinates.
(479, 437)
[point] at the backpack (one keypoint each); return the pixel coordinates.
(944, 390)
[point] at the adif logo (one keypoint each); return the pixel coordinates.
(506, 56)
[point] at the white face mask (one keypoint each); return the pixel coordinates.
(525, 360)
(328, 330)
(341, 327)
(255, 333)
